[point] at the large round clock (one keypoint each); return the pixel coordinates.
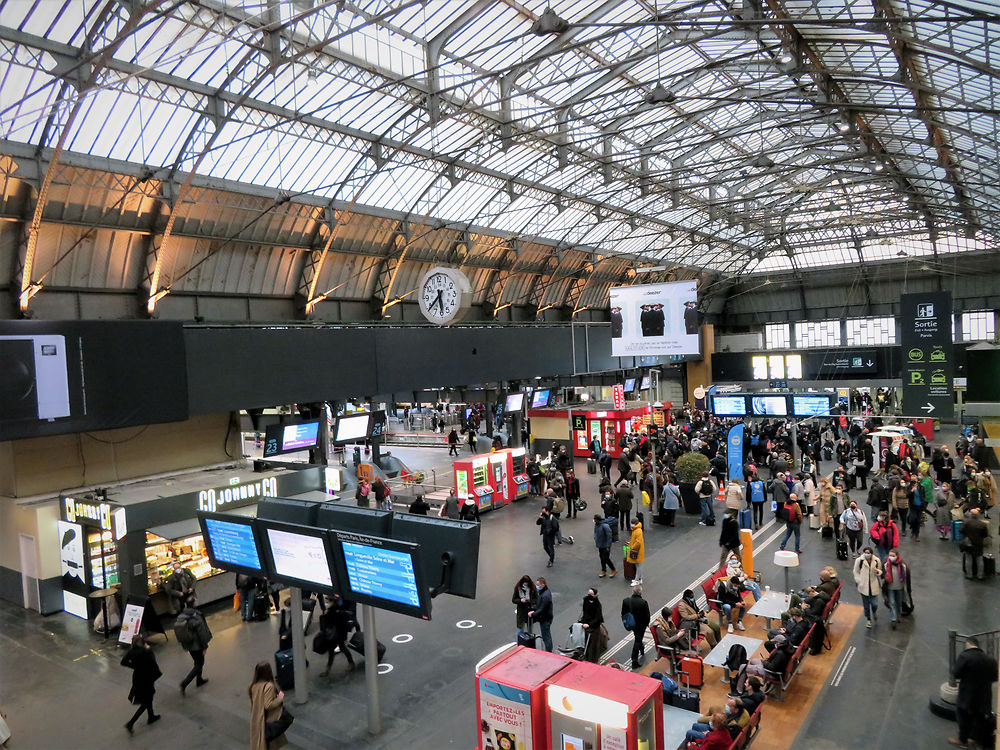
(445, 295)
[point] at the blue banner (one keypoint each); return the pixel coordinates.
(735, 451)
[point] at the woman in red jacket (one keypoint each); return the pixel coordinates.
(885, 535)
(718, 739)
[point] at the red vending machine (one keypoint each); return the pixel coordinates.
(510, 698)
(472, 478)
(500, 474)
(592, 707)
(519, 481)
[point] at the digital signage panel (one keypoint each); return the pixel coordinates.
(729, 406)
(769, 405)
(298, 555)
(385, 573)
(811, 406)
(231, 542)
(352, 428)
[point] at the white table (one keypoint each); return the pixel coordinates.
(771, 606)
(718, 655)
(676, 722)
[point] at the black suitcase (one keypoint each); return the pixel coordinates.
(828, 532)
(842, 553)
(591, 465)
(686, 697)
(357, 643)
(989, 565)
(284, 669)
(261, 607)
(526, 638)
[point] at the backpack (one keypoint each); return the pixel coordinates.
(628, 621)
(737, 657)
(183, 632)
(558, 505)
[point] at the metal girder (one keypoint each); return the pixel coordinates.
(385, 277)
(432, 50)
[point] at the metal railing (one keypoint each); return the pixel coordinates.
(989, 642)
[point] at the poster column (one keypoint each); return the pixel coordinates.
(928, 358)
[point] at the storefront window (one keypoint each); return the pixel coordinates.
(162, 553)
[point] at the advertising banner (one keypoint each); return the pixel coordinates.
(655, 319)
(928, 358)
(735, 452)
(506, 716)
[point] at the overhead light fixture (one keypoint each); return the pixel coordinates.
(660, 95)
(785, 57)
(879, 166)
(843, 125)
(549, 23)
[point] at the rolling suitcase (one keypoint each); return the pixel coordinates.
(591, 465)
(989, 565)
(956, 530)
(357, 643)
(692, 671)
(526, 638)
(284, 669)
(629, 570)
(688, 699)
(814, 522)
(261, 606)
(746, 518)
(828, 532)
(842, 553)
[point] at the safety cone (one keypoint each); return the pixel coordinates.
(722, 493)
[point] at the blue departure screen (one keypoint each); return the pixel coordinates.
(232, 543)
(381, 573)
(807, 406)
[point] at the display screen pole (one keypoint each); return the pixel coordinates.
(299, 648)
(371, 669)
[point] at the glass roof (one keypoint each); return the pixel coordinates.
(738, 137)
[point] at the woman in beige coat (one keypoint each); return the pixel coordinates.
(825, 491)
(266, 702)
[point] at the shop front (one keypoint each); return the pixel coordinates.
(129, 538)
(603, 423)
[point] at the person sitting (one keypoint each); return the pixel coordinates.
(754, 695)
(774, 664)
(735, 568)
(736, 718)
(795, 631)
(729, 592)
(814, 602)
(692, 618)
(718, 738)
(828, 581)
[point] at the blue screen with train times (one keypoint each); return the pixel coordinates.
(381, 573)
(233, 543)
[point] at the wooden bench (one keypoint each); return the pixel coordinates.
(832, 605)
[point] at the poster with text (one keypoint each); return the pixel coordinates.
(653, 319)
(506, 716)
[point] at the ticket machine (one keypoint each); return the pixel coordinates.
(472, 477)
(499, 475)
(520, 483)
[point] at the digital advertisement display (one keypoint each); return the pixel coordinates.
(231, 544)
(654, 319)
(385, 573)
(769, 405)
(629, 385)
(540, 398)
(729, 406)
(289, 438)
(645, 383)
(299, 556)
(811, 406)
(514, 403)
(352, 428)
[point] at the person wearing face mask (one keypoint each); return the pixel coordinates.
(897, 586)
(868, 575)
(885, 534)
(592, 618)
(855, 524)
(542, 613)
(693, 619)
(525, 599)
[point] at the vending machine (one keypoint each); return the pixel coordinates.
(500, 475)
(472, 478)
(593, 707)
(510, 698)
(520, 483)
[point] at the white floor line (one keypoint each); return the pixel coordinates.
(838, 673)
(648, 638)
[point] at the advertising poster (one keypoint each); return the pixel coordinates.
(653, 319)
(506, 716)
(612, 739)
(71, 554)
(928, 358)
(131, 622)
(735, 442)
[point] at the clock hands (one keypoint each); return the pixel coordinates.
(439, 301)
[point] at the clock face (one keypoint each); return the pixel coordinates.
(444, 292)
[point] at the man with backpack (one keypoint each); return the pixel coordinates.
(193, 633)
(635, 619)
(706, 492)
(602, 540)
(793, 523)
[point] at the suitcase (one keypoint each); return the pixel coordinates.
(261, 606)
(357, 643)
(688, 699)
(692, 671)
(591, 465)
(989, 565)
(828, 532)
(284, 669)
(629, 570)
(842, 553)
(956, 530)
(527, 638)
(813, 521)
(746, 519)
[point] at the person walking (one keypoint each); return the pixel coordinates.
(363, 494)
(897, 582)
(550, 532)
(179, 587)
(193, 634)
(592, 617)
(453, 442)
(602, 540)
(976, 672)
(975, 532)
(572, 493)
(338, 620)
(757, 494)
(542, 613)
(729, 535)
(793, 522)
(637, 550)
(472, 440)
(624, 497)
(266, 704)
(855, 525)
(469, 510)
(868, 575)
(885, 534)
(524, 599)
(635, 619)
(145, 672)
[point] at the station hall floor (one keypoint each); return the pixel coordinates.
(62, 686)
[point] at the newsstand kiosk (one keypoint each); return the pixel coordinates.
(472, 477)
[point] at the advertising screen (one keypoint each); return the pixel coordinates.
(769, 405)
(729, 406)
(629, 385)
(382, 572)
(645, 383)
(514, 403)
(352, 428)
(288, 438)
(540, 398)
(655, 319)
(231, 542)
(808, 406)
(298, 555)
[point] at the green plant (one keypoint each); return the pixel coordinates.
(691, 466)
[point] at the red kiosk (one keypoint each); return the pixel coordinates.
(515, 479)
(473, 477)
(602, 422)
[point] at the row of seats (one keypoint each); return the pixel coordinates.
(744, 738)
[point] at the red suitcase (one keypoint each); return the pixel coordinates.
(693, 670)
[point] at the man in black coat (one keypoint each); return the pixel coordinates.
(729, 536)
(976, 673)
(690, 317)
(542, 613)
(617, 324)
(639, 609)
(657, 320)
(193, 634)
(179, 587)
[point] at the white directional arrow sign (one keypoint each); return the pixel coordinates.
(928, 408)
(871, 363)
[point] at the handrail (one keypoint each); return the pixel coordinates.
(989, 642)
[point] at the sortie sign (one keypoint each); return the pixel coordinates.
(928, 358)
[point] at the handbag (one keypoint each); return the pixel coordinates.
(274, 729)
